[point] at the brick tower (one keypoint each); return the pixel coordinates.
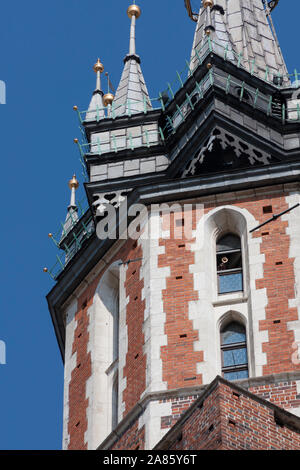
(191, 301)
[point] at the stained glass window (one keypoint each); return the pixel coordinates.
(229, 264)
(234, 352)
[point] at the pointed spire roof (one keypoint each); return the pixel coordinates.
(72, 212)
(212, 23)
(96, 108)
(132, 94)
(247, 27)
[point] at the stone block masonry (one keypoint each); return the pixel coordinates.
(227, 417)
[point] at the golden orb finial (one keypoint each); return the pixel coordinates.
(208, 3)
(73, 183)
(98, 67)
(108, 99)
(45, 270)
(50, 235)
(75, 141)
(134, 10)
(75, 108)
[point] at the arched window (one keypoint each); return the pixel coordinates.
(105, 355)
(229, 264)
(234, 352)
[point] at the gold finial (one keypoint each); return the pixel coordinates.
(45, 270)
(209, 66)
(134, 10)
(108, 99)
(98, 67)
(75, 141)
(208, 3)
(75, 108)
(73, 183)
(50, 235)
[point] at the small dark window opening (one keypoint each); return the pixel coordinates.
(267, 209)
(229, 264)
(234, 352)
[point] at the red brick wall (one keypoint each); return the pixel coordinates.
(278, 280)
(179, 406)
(247, 424)
(282, 394)
(179, 358)
(203, 430)
(233, 421)
(132, 439)
(135, 368)
(78, 403)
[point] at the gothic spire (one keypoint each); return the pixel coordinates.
(72, 213)
(246, 26)
(96, 110)
(132, 94)
(212, 23)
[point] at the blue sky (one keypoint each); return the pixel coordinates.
(46, 56)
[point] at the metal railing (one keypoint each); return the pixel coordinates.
(281, 81)
(289, 112)
(70, 237)
(115, 144)
(128, 108)
(285, 112)
(131, 107)
(84, 229)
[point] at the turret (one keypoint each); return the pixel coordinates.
(132, 94)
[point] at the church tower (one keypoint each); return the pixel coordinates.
(180, 281)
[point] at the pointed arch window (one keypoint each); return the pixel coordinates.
(229, 264)
(234, 352)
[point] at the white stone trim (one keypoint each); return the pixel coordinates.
(70, 365)
(151, 419)
(123, 339)
(102, 347)
(294, 252)
(155, 317)
(206, 312)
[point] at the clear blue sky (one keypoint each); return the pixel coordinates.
(47, 50)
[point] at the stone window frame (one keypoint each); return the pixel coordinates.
(233, 346)
(234, 316)
(236, 270)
